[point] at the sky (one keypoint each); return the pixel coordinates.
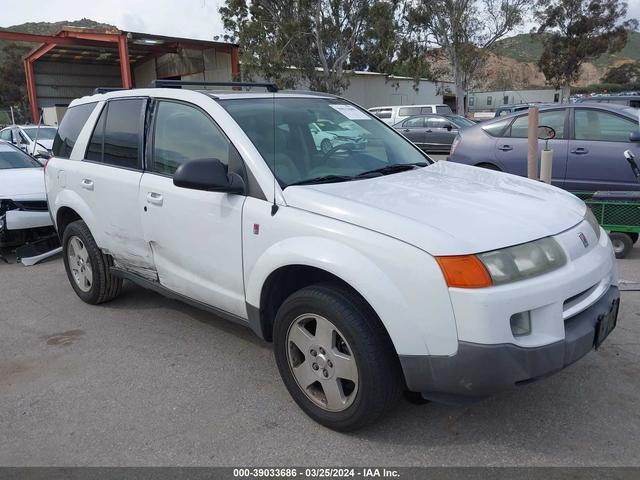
(180, 18)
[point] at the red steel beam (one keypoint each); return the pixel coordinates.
(94, 37)
(125, 66)
(31, 90)
(48, 39)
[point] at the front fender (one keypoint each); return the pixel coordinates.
(394, 302)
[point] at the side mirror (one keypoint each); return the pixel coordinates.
(634, 136)
(546, 133)
(448, 126)
(208, 174)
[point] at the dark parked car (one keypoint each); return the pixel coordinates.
(433, 133)
(588, 151)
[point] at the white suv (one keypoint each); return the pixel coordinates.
(372, 270)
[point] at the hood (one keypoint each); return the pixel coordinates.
(446, 208)
(22, 183)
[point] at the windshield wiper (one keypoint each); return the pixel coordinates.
(398, 167)
(323, 179)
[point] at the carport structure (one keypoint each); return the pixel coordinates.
(75, 61)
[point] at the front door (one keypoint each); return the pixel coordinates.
(195, 236)
(596, 152)
(439, 133)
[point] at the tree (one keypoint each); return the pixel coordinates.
(13, 88)
(623, 74)
(577, 31)
(465, 30)
(318, 40)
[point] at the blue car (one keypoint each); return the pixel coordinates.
(588, 151)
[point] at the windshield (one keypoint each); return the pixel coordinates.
(45, 133)
(14, 158)
(321, 139)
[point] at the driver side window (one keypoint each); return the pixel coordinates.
(183, 133)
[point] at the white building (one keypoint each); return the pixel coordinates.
(489, 101)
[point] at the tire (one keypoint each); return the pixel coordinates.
(360, 350)
(325, 145)
(489, 166)
(87, 267)
(622, 243)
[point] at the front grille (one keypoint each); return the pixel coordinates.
(32, 205)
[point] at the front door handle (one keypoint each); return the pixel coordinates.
(505, 148)
(580, 151)
(428, 131)
(154, 198)
(406, 130)
(87, 184)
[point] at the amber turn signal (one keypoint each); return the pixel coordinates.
(464, 271)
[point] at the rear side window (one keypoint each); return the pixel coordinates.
(409, 111)
(116, 137)
(383, 113)
(415, 122)
(553, 119)
(69, 129)
(446, 109)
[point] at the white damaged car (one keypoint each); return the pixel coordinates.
(24, 216)
(371, 270)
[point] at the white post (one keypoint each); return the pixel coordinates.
(13, 120)
(546, 165)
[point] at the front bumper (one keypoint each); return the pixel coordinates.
(479, 370)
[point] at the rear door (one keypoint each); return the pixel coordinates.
(414, 129)
(196, 236)
(108, 179)
(512, 147)
(596, 151)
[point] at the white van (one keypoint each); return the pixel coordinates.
(396, 113)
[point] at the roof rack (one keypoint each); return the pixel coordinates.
(107, 89)
(179, 83)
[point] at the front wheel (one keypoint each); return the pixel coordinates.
(326, 146)
(622, 243)
(334, 357)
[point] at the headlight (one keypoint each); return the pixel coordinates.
(523, 261)
(593, 221)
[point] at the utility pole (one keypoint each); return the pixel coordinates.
(532, 135)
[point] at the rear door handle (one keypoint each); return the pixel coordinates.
(505, 148)
(429, 131)
(406, 130)
(87, 184)
(154, 198)
(580, 151)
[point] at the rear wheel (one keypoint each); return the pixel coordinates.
(622, 243)
(87, 267)
(326, 146)
(334, 357)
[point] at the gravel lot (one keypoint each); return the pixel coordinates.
(145, 380)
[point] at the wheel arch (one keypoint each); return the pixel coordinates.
(69, 207)
(294, 264)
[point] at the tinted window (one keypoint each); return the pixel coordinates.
(553, 119)
(14, 158)
(184, 133)
(415, 122)
(69, 129)
(496, 129)
(94, 149)
(122, 133)
(409, 111)
(443, 109)
(460, 121)
(437, 122)
(595, 125)
(383, 114)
